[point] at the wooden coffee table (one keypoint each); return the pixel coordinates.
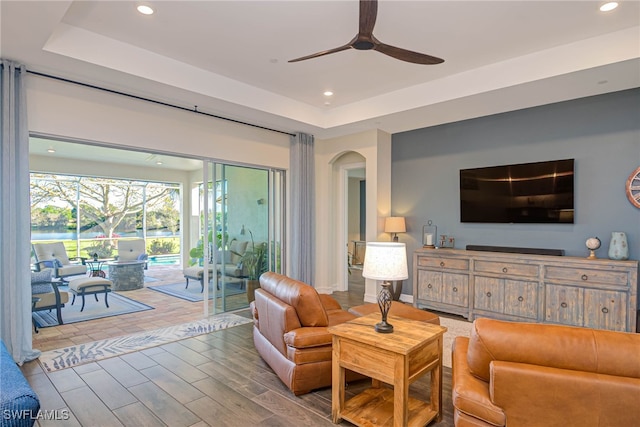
(398, 359)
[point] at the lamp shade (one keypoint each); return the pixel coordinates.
(394, 224)
(385, 261)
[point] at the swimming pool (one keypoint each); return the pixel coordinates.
(164, 259)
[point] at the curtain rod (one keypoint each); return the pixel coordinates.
(153, 101)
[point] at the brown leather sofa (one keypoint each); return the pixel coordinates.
(526, 374)
(290, 331)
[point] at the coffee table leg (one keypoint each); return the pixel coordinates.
(337, 383)
(401, 393)
(436, 384)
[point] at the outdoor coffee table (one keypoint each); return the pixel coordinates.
(126, 275)
(95, 267)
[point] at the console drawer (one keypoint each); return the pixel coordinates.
(587, 276)
(511, 269)
(445, 263)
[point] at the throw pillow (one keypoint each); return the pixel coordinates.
(43, 276)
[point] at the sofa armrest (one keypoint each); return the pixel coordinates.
(553, 396)
(305, 337)
(19, 404)
(470, 394)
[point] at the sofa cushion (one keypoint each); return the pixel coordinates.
(237, 248)
(555, 346)
(302, 297)
(309, 355)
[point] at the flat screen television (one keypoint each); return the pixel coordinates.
(535, 193)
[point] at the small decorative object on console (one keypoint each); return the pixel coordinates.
(447, 241)
(429, 235)
(592, 243)
(618, 247)
(386, 261)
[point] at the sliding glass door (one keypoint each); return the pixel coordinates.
(242, 217)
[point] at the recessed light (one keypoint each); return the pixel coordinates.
(51, 150)
(159, 162)
(328, 93)
(145, 10)
(607, 7)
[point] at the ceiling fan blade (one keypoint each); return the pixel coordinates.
(324, 52)
(368, 15)
(406, 55)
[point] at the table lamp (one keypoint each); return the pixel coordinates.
(395, 225)
(386, 261)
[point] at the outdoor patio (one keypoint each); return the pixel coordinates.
(168, 310)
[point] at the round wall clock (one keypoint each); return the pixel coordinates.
(633, 188)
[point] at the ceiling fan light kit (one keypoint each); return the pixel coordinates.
(365, 40)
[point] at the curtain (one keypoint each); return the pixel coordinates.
(15, 217)
(302, 208)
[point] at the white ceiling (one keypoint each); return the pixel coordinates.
(230, 57)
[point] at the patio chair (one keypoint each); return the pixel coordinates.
(46, 295)
(132, 250)
(54, 255)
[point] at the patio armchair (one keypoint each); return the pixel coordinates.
(46, 295)
(132, 250)
(54, 256)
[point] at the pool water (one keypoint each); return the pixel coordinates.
(164, 260)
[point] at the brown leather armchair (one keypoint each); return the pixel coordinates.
(527, 374)
(290, 331)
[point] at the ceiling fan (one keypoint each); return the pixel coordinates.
(365, 40)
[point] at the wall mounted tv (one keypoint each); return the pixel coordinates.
(534, 193)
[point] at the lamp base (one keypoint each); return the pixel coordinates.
(384, 328)
(385, 298)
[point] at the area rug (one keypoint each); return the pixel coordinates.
(93, 309)
(193, 294)
(54, 360)
(455, 328)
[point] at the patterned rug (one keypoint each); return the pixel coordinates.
(62, 358)
(118, 304)
(193, 294)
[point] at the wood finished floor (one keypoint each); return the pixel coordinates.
(217, 379)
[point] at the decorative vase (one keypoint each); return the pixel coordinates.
(618, 248)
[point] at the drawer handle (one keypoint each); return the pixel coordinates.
(429, 286)
(605, 310)
(563, 305)
(489, 294)
(585, 277)
(505, 269)
(441, 263)
(520, 299)
(455, 289)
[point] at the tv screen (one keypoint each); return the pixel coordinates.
(540, 192)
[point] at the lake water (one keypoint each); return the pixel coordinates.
(71, 235)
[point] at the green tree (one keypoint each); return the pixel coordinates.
(105, 203)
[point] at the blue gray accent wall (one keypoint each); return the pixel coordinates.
(602, 134)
